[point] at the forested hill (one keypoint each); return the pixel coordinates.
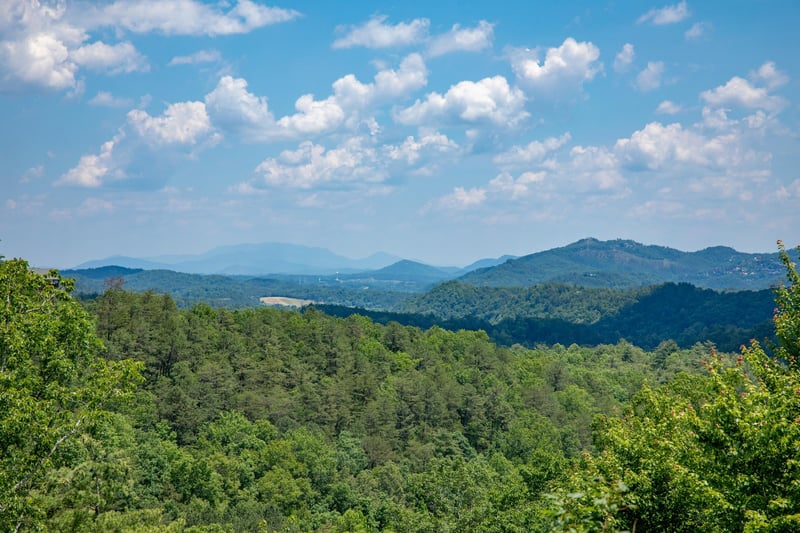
(555, 313)
(624, 263)
(126, 413)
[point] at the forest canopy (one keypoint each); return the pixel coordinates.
(126, 413)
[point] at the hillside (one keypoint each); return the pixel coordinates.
(624, 264)
(557, 313)
(230, 291)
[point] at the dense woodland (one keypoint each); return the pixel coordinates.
(127, 413)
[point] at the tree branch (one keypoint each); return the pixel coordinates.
(41, 462)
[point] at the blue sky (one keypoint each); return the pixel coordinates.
(442, 131)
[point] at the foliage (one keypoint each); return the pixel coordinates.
(263, 419)
(566, 314)
(53, 388)
(716, 453)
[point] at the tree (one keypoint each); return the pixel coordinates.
(714, 453)
(52, 384)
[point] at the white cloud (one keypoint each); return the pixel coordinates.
(666, 15)
(201, 56)
(355, 163)
(233, 108)
(505, 183)
(534, 151)
(593, 167)
(186, 17)
(35, 43)
(697, 30)
(624, 58)
(376, 34)
(92, 169)
(668, 107)
(462, 198)
(39, 59)
(564, 68)
(388, 84)
(106, 99)
(462, 39)
(181, 123)
(741, 93)
(120, 58)
(144, 143)
(769, 74)
(312, 165)
(650, 78)
(716, 119)
(412, 151)
(313, 116)
(488, 100)
(45, 44)
(657, 147)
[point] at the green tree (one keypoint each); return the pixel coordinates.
(715, 453)
(52, 384)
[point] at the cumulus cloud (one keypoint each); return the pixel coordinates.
(181, 123)
(201, 56)
(516, 188)
(666, 15)
(564, 68)
(657, 147)
(593, 167)
(532, 152)
(312, 165)
(233, 108)
(106, 99)
(739, 92)
(462, 198)
(313, 116)
(376, 34)
(356, 162)
(668, 107)
(92, 169)
(624, 58)
(388, 84)
(144, 140)
(40, 59)
(45, 44)
(490, 100)
(696, 31)
(186, 17)
(649, 79)
(462, 39)
(429, 144)
(769, 75)
(120, 58)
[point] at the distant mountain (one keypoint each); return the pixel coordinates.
(487, 263)
(122, 261)
(102, 273)
(404, 275)
(253, 260)
(625, 263)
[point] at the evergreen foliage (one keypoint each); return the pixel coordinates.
(137, 415)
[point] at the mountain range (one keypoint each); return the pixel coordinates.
(588, 262)
(252, 260)
(625, 264)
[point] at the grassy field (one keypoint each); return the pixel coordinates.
(284, 301)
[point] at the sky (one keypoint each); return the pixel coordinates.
(442, 131)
